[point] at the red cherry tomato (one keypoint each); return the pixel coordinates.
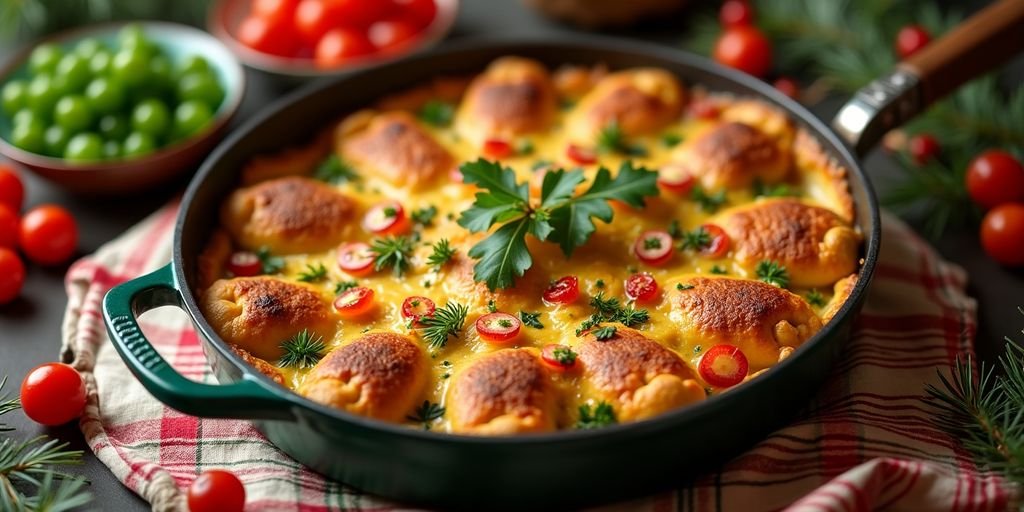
(387, 218)
(53, 394)
(498, 327)
(675, 178)
(497, 148)
(581, 155)
(8, 226)
(48, 235)
(356, 13)
(1002, 234)
(705, 109)
(923, 147)
(216, 490)
(420, 12)
(557, 357)
(341, 45)
(641, 287)
(355, 258)
(995, 177)
(12, 275)
(787, 86)
(12, 191)
(264, 35)
(312, 20)
(354, 302)
(563, 291)
(415, 308)
(745, 49)
(723, 366)
(274, 11)
(654, 247)
(735, 13)
(910, 39)
(720, 242)
(391, 35)
(245, 264)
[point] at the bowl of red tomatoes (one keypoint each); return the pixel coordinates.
(301, 39)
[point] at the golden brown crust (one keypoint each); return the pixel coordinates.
(641, 101)
(842, 290)
(287, 215)
(575, 81)
(824, 179)
(638, 376)
(380, 375)
(293, 161)
(214, 257)
(756, 317)
(767, 119)
(504, 392)
(513, 97)
(813, 243)
(262, 366)
(259, 313)
(397, 148)
(733, 155)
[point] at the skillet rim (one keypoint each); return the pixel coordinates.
(831, 143)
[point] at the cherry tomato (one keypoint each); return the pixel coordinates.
(559, 358)
(910, 39)
(581, 155)
(723, 366)
(12, 275)
(654, 247)
(355, 258)
(675, 178)
(641, 287)
(1002, 234)
(923, 147)
(313, 20)
(356, 13)
(8, 227)
(420, 12)
(415, 308)
(266, 36)
(389, 35)
(387, 218)
(274, 11)
(498, 327)
(53, 394)
(787, 86)
(340, 45)
(245, 264)
(995, 177)
(12, 191)
(720, 242)
(497, 148)
(563, 291)
(354, 302)
(745, 49)
(216, 490)
(48, 235)
(705, 109)
(735, 13)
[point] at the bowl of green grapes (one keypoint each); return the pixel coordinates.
(118, 107)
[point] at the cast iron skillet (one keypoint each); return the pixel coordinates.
(568, 468)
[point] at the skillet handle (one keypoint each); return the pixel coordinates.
(244, 399)
(982, 42)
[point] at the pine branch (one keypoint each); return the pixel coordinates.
(7, 405)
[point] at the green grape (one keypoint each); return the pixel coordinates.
(30, 137)
(193, 64)
(75, 70)
(137, 144)
(44, 58)
(14, 96)
(56, 139)
(88, 47)
(201, 87)
(134, 37)
(105, 95)
(99, 64)
(113, 127)
(130, 67)
(111, 150)
(25, 115)
(191, 117)
(160, 72)
(150, 117)
(84, 147)
(42, 95)
(73, 113)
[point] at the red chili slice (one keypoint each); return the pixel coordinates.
(675, 178)
(387, 218)
(416, 307)
(581, 155)
(654, 247)
(355, 258)
(720, 242)
(723, 366)
(498, 327)
(354, 302)
(497, 148)
(563, 291)
(641, 287)
(245, 264)
(558, 357)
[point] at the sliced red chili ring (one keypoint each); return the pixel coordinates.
(723, 366)
(387, 218)
(719, 244)
(498, 327)
(354, 302)
(558, 357)
(654, 247)
(245, 264)
(563, 291)
(581, 155)
(417, 307)
(497, 148)
(675, 178)
(641, 287)
(355, 258)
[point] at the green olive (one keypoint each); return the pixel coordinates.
(56, 140)
(44, 58)
(75, 70)
(137, 144)
(14, 96)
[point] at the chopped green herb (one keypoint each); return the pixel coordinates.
(777, 190)
(342, 286)
(591, 322)
(334, 171)
(600, 416)
(708, 203)
(271, 264)
(611, 310)
(437, 113)
(599, 284)
(424, 216)
(540, 164)
(605, 333)
(564, 355)
(524, 147)
(443, 252)
(303, 350)
(444, 323)
(611, 139)
(815, 298)
(772, 273)
(697, 350)
(670, 139)
(390, 212)
(566, 104)
(718, 269)
(492, 307)
(427, 283)
(313, 273)
(682, 287)
(608, 307)
(394, 252)
(697, 239)
(531, 319)
(426, 413)
(674, 230)
(631, 317)
(652, 243)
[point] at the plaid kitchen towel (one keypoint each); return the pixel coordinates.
(867, 442)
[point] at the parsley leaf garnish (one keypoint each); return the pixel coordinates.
(611, 139)
(303, 350)
(394, 252)
(444, 323)
(313, 273)
(777, 190)
(424, 216)
(531, 319)
(815, 298)
(605, 333)
(437, 113)
(600, 416)
(670, 139)
(561, 216)
(772, 273)
(443, 252)
(271, 264)
(708, 203)
(426, 413)
(334, 171)
(564, 355)
(343, 286)
(718, 269)
(697, 239)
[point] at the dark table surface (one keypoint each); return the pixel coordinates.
(30, 327)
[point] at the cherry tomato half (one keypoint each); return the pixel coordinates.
(787, 86)
(355, 258)
(705, 109)
(387, 218)
(734, 13)
(8, 226)
(995, 177)
(341, 45)
(12, 190)
(12, 275)
(720, 242)
(723, 366)
(923, 147)
(498, 327)
(390, 35)
(581, 155)
(216, 490)
(910, 39)
(53, 394)
(675, 178)
(746, 49)
(1002, 234)
(558, 357)
(497, 148)
(641, 287)
(563, 291)
(415, 308)
(354, 302)
(48, 235)
(654, 247)
(245, 264)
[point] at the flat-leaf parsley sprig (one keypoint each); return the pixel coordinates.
(561, 217)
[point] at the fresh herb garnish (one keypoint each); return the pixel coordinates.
(815, 298)
(313, 273)
(564, 355)
(271, 264)
(303, 350)
(670, 139)
(443, 252)
(675, 230)
(777, 190)
(697, 350)
(772, 273)
(492, 307)
(394, 252)
(708, 203)
(718, 269)
(424, 216)
(600, 416)
(605, 306)
(561, 216)
(343, 286)
(611, 310)
(444, 323)
(426, 413)
(540, 164)
(630, 316)
(599, 284)
(531, 319)
(437, 113)
(334, 171)
(605, 333)
(697, 239)
(524, 147)
(652, 243)
(611, 139)
(683, 287)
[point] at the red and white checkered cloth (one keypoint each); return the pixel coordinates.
(867, 442)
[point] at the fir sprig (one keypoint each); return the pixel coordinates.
(446, 322)
(7, 405)
(394, 252)
(304, 350)
(426, 413)
(441, 255)
(313, 273)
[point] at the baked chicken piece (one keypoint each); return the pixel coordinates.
(287, 215)
(257, 314)
(503, 392)
(762, 116)
(381, 375)
(513, 97)
(641, 101)
(638, 376)
(394, 146)
(733, 155)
